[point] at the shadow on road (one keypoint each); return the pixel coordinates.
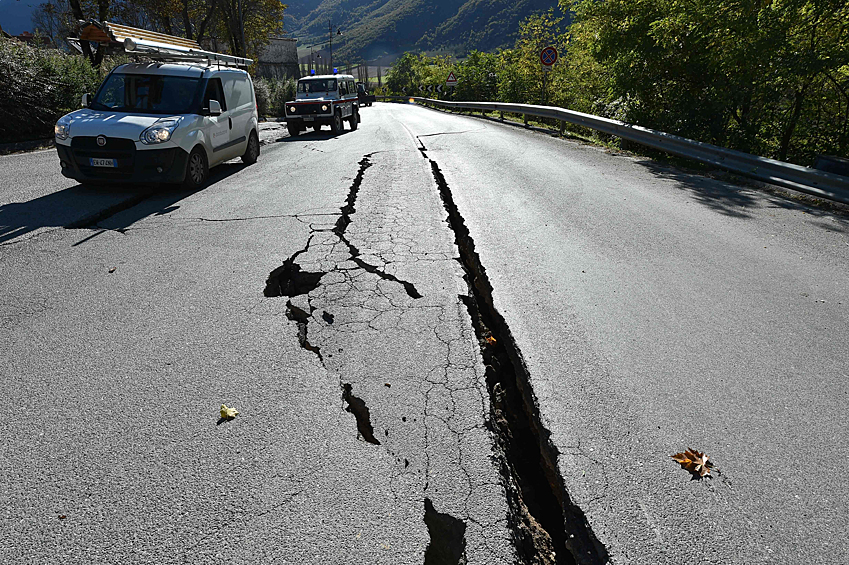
(322, 135)
(737, 201)
(83, 206)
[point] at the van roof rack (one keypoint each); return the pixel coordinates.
(159, 46)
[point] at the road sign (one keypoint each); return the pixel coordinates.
(439, 88)
(404, 90)
(422, 87)
(451, 80)
(430, 88)
(548, 56)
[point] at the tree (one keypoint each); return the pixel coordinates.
(247, 24)
(762, 76)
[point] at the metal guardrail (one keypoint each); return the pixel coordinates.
(804, 179)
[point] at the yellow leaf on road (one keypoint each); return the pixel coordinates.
(694, 461)
(228, 413)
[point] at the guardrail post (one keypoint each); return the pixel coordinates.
(525, 118)
(562, 127)
(501, 116)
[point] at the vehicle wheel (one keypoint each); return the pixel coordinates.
(354, 119)
(197, 168)
(293, 129)
(316, 127)
(252, 150)
(336, 126)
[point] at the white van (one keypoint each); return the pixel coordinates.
(160, 123)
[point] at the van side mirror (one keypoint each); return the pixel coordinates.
(214, 108)
(86, 100)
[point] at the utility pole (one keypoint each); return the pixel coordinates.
(330, 32)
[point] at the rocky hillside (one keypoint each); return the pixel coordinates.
(373, 28)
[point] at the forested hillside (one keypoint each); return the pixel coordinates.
(372, 28)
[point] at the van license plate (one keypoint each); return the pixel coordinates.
(309, 118)
(102, 162)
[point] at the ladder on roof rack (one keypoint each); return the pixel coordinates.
(162, 47)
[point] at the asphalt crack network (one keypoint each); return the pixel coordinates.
(548, 528)
(290, 280)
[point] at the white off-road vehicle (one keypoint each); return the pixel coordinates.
(167, 121)
(323, 100)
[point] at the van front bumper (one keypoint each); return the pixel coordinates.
(131, 165)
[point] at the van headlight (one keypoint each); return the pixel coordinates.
(324, 107)
(62, 129)
(160, 132)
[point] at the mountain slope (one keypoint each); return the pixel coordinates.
(372, 28)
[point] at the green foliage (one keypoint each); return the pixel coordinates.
(766, 77)
(272, 95)
(38, 86)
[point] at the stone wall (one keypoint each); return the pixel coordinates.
(279, 60)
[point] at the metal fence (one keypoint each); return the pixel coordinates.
(804, 179)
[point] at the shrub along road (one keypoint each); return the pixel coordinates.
(398, 373)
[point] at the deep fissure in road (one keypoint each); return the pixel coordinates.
(290, 280)
(548, 528)
(447, 544)
(345, 220)
(358, 408)
(301, 318)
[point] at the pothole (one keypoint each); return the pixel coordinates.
(447, 538)
(358, 408)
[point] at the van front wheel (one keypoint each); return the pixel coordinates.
(252, 150)
(197, 168)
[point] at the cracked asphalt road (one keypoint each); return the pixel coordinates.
(648, 316)
(121, 339)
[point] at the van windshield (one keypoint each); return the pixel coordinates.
(151, 94)
(317, 85)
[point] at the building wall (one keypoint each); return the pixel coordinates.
(279, 60)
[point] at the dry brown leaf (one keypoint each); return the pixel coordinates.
(694, 461)
(490, 340)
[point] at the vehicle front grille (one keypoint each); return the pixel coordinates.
(308, 109)
(120, 149)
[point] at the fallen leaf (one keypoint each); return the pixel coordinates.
(490, 340)
(228, 413)
(62, 516)
(112, 270)
(694, 461)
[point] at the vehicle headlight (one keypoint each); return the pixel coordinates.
(160, 132)
(62, 129)
(324, 107)
(292, 109)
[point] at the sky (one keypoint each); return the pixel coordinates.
(15, 15)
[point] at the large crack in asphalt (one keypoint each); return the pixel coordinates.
(290, 280)
(548, 528)
(358, 408)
